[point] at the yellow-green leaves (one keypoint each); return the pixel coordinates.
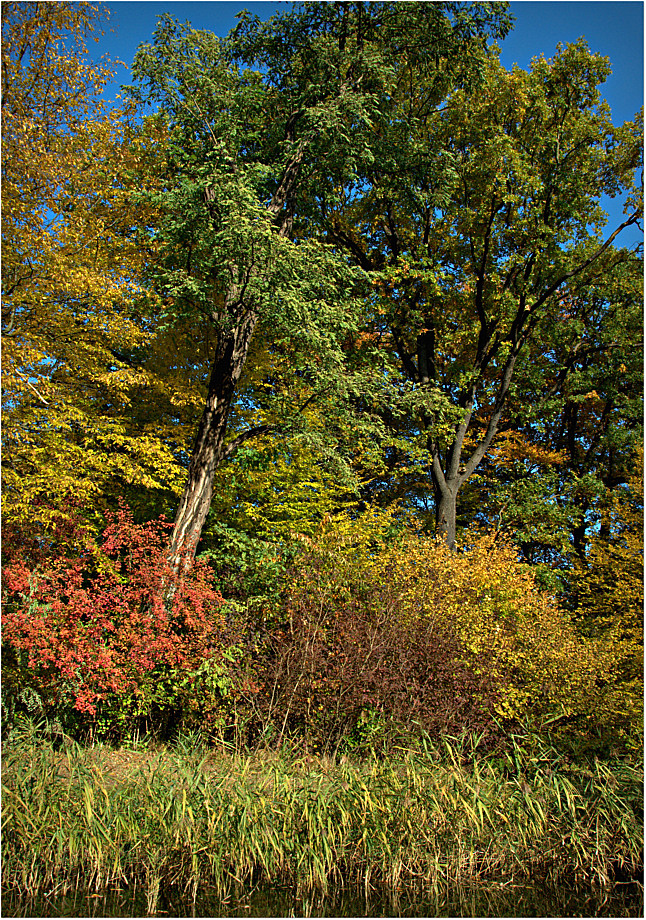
(512, 636)
(609, 586)
(73, 303)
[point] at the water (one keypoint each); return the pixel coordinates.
(486, 900)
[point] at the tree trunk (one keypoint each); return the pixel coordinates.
(446, 499)
(230, 358)
(209, 446)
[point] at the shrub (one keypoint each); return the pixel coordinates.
(349, 664)
(609, 591)
(405, 632)
(89, 629)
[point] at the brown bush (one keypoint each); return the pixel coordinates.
(350, 655)
(398, 634)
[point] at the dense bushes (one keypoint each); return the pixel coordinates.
(608, 589)
(370, 633)
(100, 632)
(385, 634)
(349, 664)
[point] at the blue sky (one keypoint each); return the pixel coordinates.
(614, 28)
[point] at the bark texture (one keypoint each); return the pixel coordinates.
(209, 448)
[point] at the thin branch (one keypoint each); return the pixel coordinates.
(589, 261)
(31, 387)
(232, 447)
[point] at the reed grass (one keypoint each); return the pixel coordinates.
(187, 817)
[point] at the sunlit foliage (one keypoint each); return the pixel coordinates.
(73, 308)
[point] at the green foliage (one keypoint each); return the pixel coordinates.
(494, 290)
(223, 163)
(550, 479)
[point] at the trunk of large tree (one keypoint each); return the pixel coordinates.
(209, 446)
(446, 498)
(231, 355)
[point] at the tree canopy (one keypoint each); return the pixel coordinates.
(246, 151)
(480, 280)
(72, 304)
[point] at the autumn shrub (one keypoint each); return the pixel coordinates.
(100, 634)
(349, 667)
(407, 633)
(346, 669)
(511, 630)
(608, 587)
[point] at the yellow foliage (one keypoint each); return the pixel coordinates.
(610, 589)
(510, 631)
(273, 493)
(72, 267)
(513, 445)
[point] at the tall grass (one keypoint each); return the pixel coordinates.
(187, 817)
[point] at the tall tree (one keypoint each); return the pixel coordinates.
(248, 151)
(473, 276)
(587, 413)
(73, 312)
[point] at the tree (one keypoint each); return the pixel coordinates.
(588, 415)
(248, 150)
(609, 588)
(474, 276)
(73, 309)
(549, 475)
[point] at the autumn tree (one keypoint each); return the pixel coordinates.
(248, 149)
(74, 312)
(482, 229)
(579, 444)
(608, 587)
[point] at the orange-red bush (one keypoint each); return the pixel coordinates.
(89, 620)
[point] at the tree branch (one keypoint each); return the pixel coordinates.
(589, 261)
(31, 387)
(232, 447)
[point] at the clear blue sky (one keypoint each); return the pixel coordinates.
(614, 28)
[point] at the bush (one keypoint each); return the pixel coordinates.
(384, 635)
(349, 666)
(101, 633)
(609, 591)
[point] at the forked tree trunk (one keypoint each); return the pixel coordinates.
(446, 512)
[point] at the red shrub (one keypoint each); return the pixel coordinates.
(96, 620)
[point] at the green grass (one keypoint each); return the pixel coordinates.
(185, 816)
